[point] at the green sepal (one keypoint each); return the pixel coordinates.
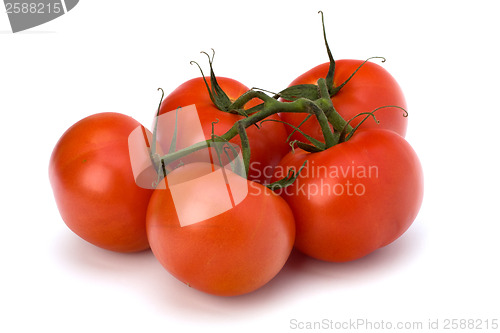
(217, 95)
(331, 68)
(173, 144)
(309, 91)
(307, 147)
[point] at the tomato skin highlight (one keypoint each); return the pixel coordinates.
(355, 197)
(371, 87)
(267, 143)
(229, 254)
(93, 184)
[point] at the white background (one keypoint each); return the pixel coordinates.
(112, 56)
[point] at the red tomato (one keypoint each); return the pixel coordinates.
(371, 87)
(267, 143)
(219, 233)
(95, 191)
(355, 197)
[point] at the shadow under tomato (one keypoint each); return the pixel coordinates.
(378, 264)
(78, 254)
(300, 278)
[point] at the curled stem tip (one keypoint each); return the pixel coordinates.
(368, 115)
(192, 62)
(213, 128)
(337, 89)
(161, 99)
(152, 152)
(210, 59)
(158, 111)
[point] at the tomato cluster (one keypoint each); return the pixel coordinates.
(312, 167)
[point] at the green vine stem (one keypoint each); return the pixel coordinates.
(245, 146)
(270, 107)
(153, 155)
(332, 115)
(315, 100)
